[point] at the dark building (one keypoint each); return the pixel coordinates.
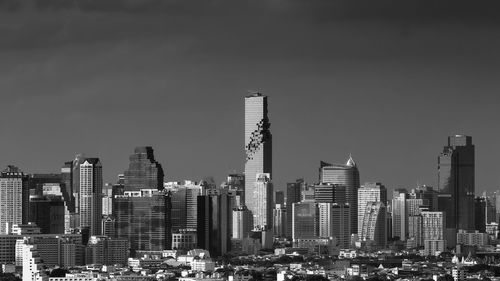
(143, 218)
(428, 194)
(48, 213)
(456, 171)
(144, 171)
(330, 193)
(179, 209)
(293, 191)
(214, 220)
(480, 205)
(279, 197)
(348, 176)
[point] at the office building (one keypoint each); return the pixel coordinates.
(14, 198)
(242, 222)
(279, 220)
(329, 193)
(427, 194)
(305, 221)
(143, 218)
(369, 192)
(456, 170)
(374, 229)
(262, 201)
(214, 224)
(258, 147)
(348, 176)
(399, 214)
(237, 182)
(144, 172)
(48, 212)
(334, 221)
(279, 197)
(90, 195)
(107, 251)
(292, 196)
(70, 185)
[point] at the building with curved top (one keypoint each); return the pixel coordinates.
(346, 175)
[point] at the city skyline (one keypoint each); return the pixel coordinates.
(387, 88)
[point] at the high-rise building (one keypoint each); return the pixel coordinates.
(369, 192)
(279, 197)
(237, 182)
(48, 212)
(374, 227)
(214, 223)
(91, 195)
(305, 220)
(262, 200)
(433, 225)
(292, 196)
(279, 220)
(144, 172)
(334, 221)
(143, 218)
(329, 193)
(242, 222)
(258, 146)
(14, 198)
(399, 214)
(456, 171)
(348, 176)
(428, 194)
(70, 185)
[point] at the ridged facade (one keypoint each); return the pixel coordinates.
(258, 146)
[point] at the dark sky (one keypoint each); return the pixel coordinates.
(387, 81)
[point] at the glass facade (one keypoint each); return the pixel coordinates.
(144, 219)
(348, 176)
(143, 172)
(456, 181)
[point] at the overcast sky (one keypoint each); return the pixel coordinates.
(387, 81)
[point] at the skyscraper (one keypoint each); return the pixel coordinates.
(144, 171)
(143, 218)
(91, 195)
(399, 214)
(262, 200)
(305, 220)
(334, 221)
(348, 176)
(433, 231)
(258, 145)
(374, 227)
(214, 223)
(292, 196)
(456, 171)
(14, 198)
(369, 192)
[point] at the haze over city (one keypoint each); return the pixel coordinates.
(384, 83)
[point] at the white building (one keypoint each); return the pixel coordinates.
(90, 195)
(32, 263)
(14, 195)
(370, 192)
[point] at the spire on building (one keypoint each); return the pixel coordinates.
(350, 162)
